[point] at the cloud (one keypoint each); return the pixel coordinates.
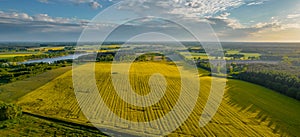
(292, 16)
(44, 23)
(184, 8)
(16, 26)
(80, 1)
(95, 5)
(230, 29)
(14, 15)
(198, 8)
(92, 3)
(257, 2)
(284, 35)
(215, 12)
(43, 1)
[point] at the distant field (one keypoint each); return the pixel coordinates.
(247, 109)
(46, 48)
(246, 54)
(11, 55)
(190, 55)
(232, 51)
(205, 56)
(12, 91)
(251, 55)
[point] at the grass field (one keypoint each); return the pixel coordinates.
(12, 91)
(33, 127)
(246, 110)
(270, 108)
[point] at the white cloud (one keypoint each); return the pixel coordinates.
(92, 3)
(39, 22)
(257, 2)
(292, 16)
(216, 12)
(224, 15)
(185, 8)
(225, 21)
(43, 1)
(291, 26)
(15, 15)
(44, 17)
(80, 1)
(198, 8)
(95, 5)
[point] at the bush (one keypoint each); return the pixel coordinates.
(9, 111)
(292, 92)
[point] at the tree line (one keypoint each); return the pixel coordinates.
(282, 78)
(11, 73)
(35, 56)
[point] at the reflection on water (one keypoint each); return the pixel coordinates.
(52, 60)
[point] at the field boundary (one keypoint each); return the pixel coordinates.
(80, 125)
(11, 92)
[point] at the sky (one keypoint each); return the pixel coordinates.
(231, 20)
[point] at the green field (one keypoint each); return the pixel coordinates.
(12, 91)
(247, 109)
(231, 52)
(280, 112)
(196, 55)
(27, 125)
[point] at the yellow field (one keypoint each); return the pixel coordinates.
(57, 99)
(11, 55)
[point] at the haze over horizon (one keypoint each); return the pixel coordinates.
(232, 20)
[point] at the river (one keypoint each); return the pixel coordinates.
(52, 60)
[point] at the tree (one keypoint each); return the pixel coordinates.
(142, 58)
(9, 111)
(152, 58)
(163, 57)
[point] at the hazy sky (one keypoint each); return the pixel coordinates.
(232, 20)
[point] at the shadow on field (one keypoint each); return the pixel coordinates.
(264, 107)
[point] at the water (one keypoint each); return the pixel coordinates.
(75, 56)
(252, 61)
(52, 60)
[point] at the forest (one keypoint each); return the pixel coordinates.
(282, 78)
